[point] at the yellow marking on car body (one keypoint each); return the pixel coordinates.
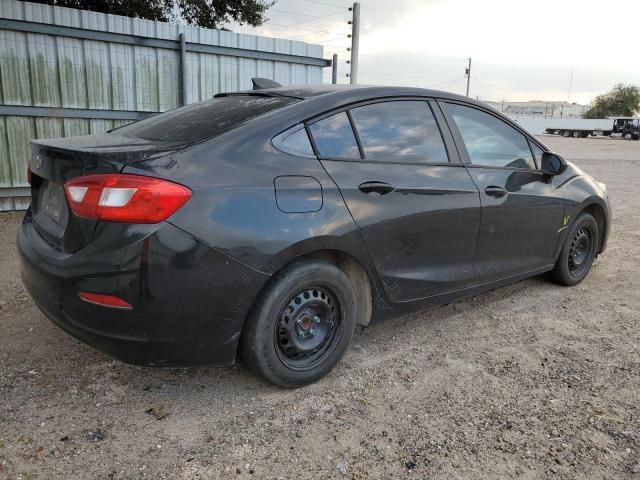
(565, 223)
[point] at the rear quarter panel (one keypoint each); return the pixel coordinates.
(234, 207)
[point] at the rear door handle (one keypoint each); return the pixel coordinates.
(376, 189)
(494, 191)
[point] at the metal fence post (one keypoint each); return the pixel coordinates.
(355, 43)
(183, 70)
(334, 69)
(124, 100)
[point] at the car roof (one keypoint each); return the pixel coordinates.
(304, 92)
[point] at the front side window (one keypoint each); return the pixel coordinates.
(334, 137)
(399, 131)
(491, 142)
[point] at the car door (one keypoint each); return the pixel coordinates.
(522, 208)
(415, 204)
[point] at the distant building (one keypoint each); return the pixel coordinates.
(540, 109)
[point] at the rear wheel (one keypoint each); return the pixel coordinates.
(576, 134)
(578, 252)
(628, 136)
(302, 324)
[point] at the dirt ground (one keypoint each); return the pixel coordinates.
(528, 381)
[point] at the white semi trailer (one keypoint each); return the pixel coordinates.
(625, 127)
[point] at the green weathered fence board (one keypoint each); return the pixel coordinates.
(19, 131)
(44, 68)
(5, 166)
(14, 69)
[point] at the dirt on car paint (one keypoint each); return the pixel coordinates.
(528, 381)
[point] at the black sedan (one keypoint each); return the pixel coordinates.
(267, 224)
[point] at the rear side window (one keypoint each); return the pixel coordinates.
(399, 131)
(294, 142)
(489, 141)
(334, 137)
(203, 120)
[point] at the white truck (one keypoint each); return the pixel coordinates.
(625, 127)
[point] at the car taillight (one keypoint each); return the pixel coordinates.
(125, 198)
(105, 300)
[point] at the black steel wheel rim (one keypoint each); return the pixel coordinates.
(580, 252)
(307, 327)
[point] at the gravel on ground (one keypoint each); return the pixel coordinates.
(528, 381)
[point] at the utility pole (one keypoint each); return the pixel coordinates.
(570, 85)
(355, 43)
(334, 69)
(468, 72)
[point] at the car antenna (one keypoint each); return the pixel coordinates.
(262, 83)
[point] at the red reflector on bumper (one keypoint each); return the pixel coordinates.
(105, 300)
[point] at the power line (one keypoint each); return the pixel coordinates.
(318, 40)
(414, 58)
(335, 23)
(447, 84)
(327, 3)
(311, 30)
(414, 77)
(307, 21)
(394, 75)
(307, 14)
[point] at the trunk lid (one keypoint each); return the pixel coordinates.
(55, 161)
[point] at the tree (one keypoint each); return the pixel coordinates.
(202, 13)
(622, 101)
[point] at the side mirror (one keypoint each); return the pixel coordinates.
(552, 164)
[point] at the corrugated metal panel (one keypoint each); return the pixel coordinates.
(14, 68)
(57, 71)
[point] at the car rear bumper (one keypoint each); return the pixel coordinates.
(189, 300)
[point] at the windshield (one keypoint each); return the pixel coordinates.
(203, 120)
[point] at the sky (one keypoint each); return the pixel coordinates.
(521, 50)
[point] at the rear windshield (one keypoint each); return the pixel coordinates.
(203, 120)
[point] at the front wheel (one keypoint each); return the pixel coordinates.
(578, 252)
(628, 136)
(301, 325)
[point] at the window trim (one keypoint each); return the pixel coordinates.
(535, 160)
(307, 126)
(279, 141)
(356, 135)
(452, 159)
(462, 148)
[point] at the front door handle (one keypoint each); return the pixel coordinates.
(375, 189)
(494, 191)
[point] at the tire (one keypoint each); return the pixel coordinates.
(576, 134)
(578, 252)
(309, 305)
(566, 133)
(628, 136)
